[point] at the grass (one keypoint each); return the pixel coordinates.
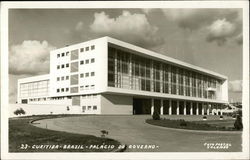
(224, 125)
(24, 137)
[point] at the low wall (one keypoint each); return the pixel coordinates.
(40, 109)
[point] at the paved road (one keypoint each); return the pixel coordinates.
(132, 130)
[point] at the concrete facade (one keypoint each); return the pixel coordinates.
(105, 76)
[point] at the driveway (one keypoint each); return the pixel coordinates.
(132, 130)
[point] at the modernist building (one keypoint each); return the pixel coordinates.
(108, 76)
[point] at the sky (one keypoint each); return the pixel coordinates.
(208, 38)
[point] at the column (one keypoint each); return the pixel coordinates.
(177, 82)
(152, 106)
(161, 78)
(170, 107)
(202, 108)
(161, 106)
(169, 79)
(116, 76)
(190, 84)
(191, 108)
(197, 108)
(178, 108)
(185, 108)
(208, 110)
(151, 76)
(130, 72)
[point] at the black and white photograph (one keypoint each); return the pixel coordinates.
(125, 80)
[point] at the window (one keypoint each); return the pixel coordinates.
(83, 108)
(89, 107)
(58, 90)
(67, 65)
(58, 66)
(86, 74)
(62, 78)
(62, 90)
(92, 60)
(67, 77)
(82, 50)
(87, 87)
(92, 47)
(63, 54)
(58, 55)
(92, 86)
(62, 65)
(92, 73)
(58, 78)
(81, 62)
(81, 87)
(67, 89)
(87, 61)
(81, 75)
(94, 107)
(87, 48)
(67, 53)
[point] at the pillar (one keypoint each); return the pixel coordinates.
(161, 106)
(197, 108)
(152, 106)
(208, 110)
(170, 107)
(191, 108)
(202, 109)
(178, 108)
(185, 108)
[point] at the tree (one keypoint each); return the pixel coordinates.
(156, 116)
(19, 112)
(238, 123)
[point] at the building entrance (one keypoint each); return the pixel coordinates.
(141, 106)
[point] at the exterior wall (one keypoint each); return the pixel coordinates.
(40, 109)
(88, 102)
(116, 104)
(95, 83)
(224, 88)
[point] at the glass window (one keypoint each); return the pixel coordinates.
(87, 87)
(62, 78)
(67, 53)
(63, 54)
(58, 55)
(67, 77)
(81, 62)
(58, 66)
(81, 75)
(67, 89)
(58, 90)
(74, 54)
(94, 107)
(62, 90)
(89, 107)
(82, 50)
(83, 108)
(92, 47)
(87, 61)
(58, 78)
(87, 48)
(86, 74)
(92, 73)
(92, 60)
(67, 65)
(62, 65)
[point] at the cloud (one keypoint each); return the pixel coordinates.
(239, 39)
(133, 28)
(79, 26)
(220, 30)
(210, 22)
(147, 10)
(30, 57)
(235, 86)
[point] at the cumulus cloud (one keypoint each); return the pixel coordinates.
(30, 57)
(79, 26)
(210, 21)
(235, 86)
(220, 30)
(133, 28)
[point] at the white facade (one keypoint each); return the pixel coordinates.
(79, 77)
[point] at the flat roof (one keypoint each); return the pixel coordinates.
(34, 78)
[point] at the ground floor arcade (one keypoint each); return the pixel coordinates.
(175, 107)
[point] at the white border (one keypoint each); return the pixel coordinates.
(124, 4)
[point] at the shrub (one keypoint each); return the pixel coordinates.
(156, 115)
(238, 123)
(19, 112)
(204, 117)
(221, 116)
(183, 122)
(104, 132)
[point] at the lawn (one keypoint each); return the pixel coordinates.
(24, 137)
(212, 125)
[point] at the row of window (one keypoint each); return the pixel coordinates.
(86, 87)
(81, 50)
(87, 61)
(63, 66)
(63, 78)
(62, 90)
(84, 108)
(87, 74)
